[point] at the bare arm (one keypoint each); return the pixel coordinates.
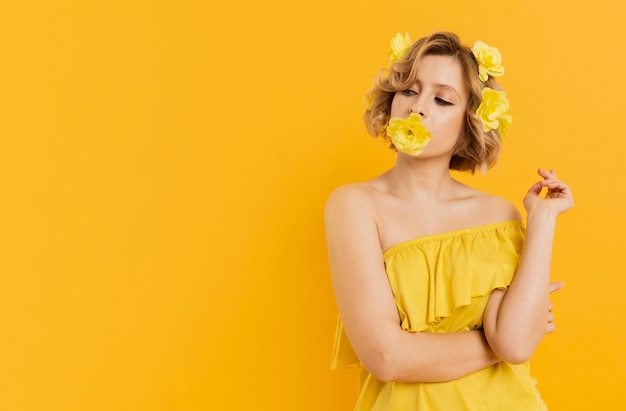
(515, 320)
(368, 310)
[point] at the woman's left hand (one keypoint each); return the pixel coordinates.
(554, 286)
(558, 198)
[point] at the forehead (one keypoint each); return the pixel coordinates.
(442, 71)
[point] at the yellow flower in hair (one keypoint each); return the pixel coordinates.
(489, 61)
(368, 100)
(399, 46)
(408, 135)
(493, 111)
(503, 125)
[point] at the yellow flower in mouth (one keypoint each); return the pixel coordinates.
(489, 61)
(399, 46)
(493, 111)
(408, 135)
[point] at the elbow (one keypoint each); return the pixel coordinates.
(514, 353)
(511, 348)
(516, 358)
(385, 374)
(383, 368)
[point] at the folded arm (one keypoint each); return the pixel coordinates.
(515, 320)
(368, 310)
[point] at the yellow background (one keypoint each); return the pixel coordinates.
(163, 170)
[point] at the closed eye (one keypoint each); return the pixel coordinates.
(443, 102)
(409, 92)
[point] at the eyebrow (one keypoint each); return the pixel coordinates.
(447, 87)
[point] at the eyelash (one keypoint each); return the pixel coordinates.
(438, 100)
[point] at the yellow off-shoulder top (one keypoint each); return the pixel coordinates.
(441, 283)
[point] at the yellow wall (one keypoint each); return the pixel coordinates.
(163, 168)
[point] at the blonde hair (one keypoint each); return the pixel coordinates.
(475, 148)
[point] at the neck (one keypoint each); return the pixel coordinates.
(421, 177)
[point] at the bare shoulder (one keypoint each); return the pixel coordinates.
(350, 219)
(356, 197)
(496, 209)
(488, 208)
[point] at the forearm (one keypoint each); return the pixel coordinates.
(435, 357)
(523, 312)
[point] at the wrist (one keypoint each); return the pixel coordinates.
(542, 214)
(540, 223)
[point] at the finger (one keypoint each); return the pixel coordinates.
(536, 188)
(556, 286)
(546, 174)
(554, 184)
(558, 189)
(563, 188)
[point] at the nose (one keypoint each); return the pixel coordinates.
(419, 108)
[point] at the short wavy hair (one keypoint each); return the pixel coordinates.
(475, 149)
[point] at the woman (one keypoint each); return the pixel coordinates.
(443, 294)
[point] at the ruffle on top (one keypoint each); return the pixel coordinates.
(442, 282)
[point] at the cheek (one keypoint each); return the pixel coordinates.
(457, 121)
(396, 107)
(451, 123)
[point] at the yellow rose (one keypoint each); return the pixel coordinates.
(493, 111)
(408, 135)
(503, 126)
(399, 46)
(368, 100)
(489, 61)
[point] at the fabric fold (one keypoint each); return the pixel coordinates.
(436, 276)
